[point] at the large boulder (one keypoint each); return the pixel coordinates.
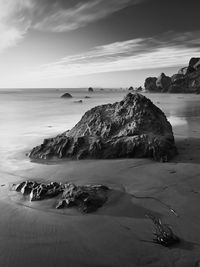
(163, 82)
(150, 85)
(133, 127)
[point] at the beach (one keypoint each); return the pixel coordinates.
(118, 234)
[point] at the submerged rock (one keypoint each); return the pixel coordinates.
(133, 127)
(87, 198)
(66, 95)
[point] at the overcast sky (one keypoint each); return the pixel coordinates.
(100, 43)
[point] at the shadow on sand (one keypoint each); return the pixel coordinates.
(188, 151)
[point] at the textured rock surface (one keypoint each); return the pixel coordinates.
(150, 84)
(163, 82)
(87, 198)
(134, 127)
(187, 80)
(66, 95)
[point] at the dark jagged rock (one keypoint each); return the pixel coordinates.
(150, 85)
(133, 127)
(90, 90)
(131, 88)
(66, 95)
(87, 198)
(163, 233)
(37, 190)
(163, 82)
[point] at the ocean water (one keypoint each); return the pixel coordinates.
(28, 116)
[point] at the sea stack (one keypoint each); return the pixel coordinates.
(133, 127)
(90, 90)
(66, 95)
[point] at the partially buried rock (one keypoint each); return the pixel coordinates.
(87, 198)
(37, 190)
(133, 127)
(66, 95)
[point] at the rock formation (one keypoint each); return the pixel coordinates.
(66, 95)
(87, 198)
(150, 84)
(163, 82)
(187, 80)
(133, 127)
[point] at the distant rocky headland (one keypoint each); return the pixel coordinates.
(133, 127)
(187, 80)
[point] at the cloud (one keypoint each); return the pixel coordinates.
(60, 19)
(19, 16)
(167, 50)
(14, 21)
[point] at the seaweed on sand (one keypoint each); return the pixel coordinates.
(163, 233)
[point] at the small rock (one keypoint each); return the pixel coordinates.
(66, 95)
(90, 90)
(78, 101)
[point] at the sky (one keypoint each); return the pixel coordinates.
(98, 43)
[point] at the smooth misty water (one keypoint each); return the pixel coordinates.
(29, 116)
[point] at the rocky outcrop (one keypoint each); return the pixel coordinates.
(87, 198)
(163, 82)
(150, 85)
(133, 127)
(66, 95)
(187, 80)
(131, 88)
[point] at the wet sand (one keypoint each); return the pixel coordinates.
(118, 234)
